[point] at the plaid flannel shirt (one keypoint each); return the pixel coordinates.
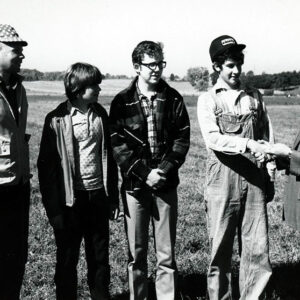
(149, 109)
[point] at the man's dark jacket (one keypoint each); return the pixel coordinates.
(129, 135)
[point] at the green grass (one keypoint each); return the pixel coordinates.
(192, 249)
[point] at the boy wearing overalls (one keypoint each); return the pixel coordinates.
(232, 120)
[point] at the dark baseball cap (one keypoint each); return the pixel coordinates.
(223, 43)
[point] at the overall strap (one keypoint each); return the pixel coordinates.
(252, 105)
(218, 110)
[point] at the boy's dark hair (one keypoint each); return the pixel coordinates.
(78, 77)
(147, 47)
(234, 54)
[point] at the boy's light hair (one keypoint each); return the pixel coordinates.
(147, 47)
(78, 77)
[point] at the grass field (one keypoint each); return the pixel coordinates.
(192, 249)
(109, 87)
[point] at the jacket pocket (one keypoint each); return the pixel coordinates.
(4, 146)
(133, 139)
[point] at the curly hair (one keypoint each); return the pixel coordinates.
(78, 77)
(147, 47)
(236, 55)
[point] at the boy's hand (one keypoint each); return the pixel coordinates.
(57, 222)
(280, 150)
(258, 149)
(156, 178)
(114, 212)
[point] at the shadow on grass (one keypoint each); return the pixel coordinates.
(284, 285)
(285, 282)
(191, 287)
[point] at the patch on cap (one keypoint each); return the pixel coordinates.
(228, 41)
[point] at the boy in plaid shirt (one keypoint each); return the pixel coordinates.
(150, 135)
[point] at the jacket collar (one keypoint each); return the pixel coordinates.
(15, 79)
(96, 107)
(161, 87)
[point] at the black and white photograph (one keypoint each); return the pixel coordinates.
(150, 150)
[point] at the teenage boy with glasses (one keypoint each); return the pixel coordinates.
(150, 134)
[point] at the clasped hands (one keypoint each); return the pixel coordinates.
(264, 151)
(156, 179)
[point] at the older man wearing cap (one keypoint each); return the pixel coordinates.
(14, 165)
(232, 120)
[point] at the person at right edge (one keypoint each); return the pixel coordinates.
(238, 185)
(289, 159)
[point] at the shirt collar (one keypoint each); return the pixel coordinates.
(142, 96)
(221, 86)
(74, 109)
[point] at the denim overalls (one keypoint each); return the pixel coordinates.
(235, 199)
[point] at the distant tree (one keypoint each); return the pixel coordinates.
(250, 74)
(53, 76)
(31, 75)
(172, 77)
(198, 77)
(177, 78)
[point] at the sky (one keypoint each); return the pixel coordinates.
(105, 32)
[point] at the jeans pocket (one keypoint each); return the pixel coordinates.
(212, 171)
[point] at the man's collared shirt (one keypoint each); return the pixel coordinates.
(149, 110)
(87, 136)
(230, 101)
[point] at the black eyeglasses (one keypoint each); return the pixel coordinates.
(152, 66)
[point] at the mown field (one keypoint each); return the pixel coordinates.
(192, 247)
(109, 87)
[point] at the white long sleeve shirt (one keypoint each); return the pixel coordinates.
(234, 102)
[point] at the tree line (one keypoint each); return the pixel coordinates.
(35, 75)
(200, 78)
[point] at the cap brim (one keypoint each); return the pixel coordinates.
(239, 47)
(21, 43)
